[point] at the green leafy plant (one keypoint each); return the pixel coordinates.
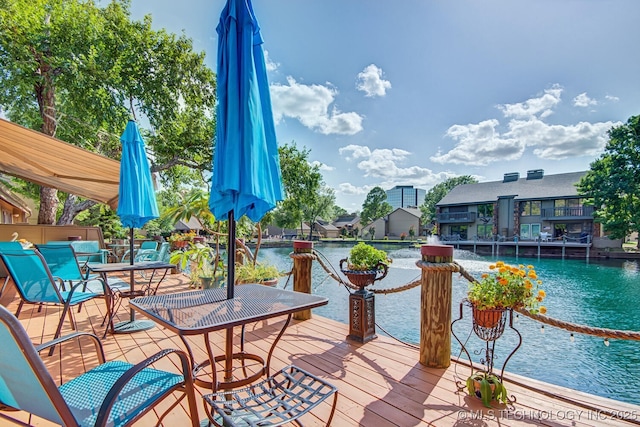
(508, 287)
(486, 386)
(202, 259)
(256, 273)
(365, 257)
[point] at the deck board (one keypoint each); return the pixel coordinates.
(381, 383)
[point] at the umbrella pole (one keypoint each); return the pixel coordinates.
(131, 273)
(231, 255)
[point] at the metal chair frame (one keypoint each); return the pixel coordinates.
(113, 393)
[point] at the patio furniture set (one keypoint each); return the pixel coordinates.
(122, 393)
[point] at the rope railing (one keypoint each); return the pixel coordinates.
(571, 327)
(455, 267)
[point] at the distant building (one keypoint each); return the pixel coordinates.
(538, 206)
(405, 196)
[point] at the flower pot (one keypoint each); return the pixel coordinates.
(487, 318)
(271, 282)
(489, 324)
(361, 279)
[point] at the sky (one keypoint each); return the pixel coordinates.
(414, 92)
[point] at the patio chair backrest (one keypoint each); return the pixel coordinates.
(25, 382)
(149, 245)
(163, 252)
(31, 276)
(10, 246)
(62, 261)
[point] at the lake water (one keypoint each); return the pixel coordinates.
(594, 294)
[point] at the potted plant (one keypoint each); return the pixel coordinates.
(505, 287)
(487, 386)
(257, 272)
(202, 259)
(365, 265)
(181, 240)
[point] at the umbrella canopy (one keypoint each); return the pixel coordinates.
(246, 176)
(137, 200)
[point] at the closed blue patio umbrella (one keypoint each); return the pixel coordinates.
(246, 176)
(136, 196)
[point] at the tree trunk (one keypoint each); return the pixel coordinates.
(48, 205)
(46, 97)
(72, 209)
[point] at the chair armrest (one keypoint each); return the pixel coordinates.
(60, 340)
(122, 382)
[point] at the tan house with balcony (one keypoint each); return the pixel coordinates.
(536, 207)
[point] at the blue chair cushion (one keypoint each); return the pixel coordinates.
(85, 394)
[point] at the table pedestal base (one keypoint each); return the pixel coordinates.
(228, 383)
(131, 326)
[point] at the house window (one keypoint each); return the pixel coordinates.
(460, 230)
(525, 230)
(535, 231)
(485, 231)
(485, 211)
(530, 208)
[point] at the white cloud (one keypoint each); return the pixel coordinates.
(612, 98)
(322, 166)
(557, 142)
(370, 81)
(271, 65)
(583, 100)
(479, 144)
(348, 188)
(311, 105)
(385, 165)
(542, 105)
(483, 143)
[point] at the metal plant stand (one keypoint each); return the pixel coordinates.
(362, 316)
(489, 333)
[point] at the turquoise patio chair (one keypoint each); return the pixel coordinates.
(36, 285)
(145, 248)
(114, 393)
(64, 265)
(8, 246)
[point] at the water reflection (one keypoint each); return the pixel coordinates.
(598, 294)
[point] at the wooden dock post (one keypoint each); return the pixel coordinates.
(435, 317)
(302, 262)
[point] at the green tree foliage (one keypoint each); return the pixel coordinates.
(437, 192)
(76, 71)
(302, 184)
(612, 184)
(375, 206)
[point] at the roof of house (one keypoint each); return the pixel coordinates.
(547, 187)
(13, 199)
(193, 224)
(344, 220)
(413, 211)
(327, 226)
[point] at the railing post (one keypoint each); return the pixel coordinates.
(435, 316)
(302, 262)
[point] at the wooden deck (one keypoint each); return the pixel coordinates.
(381, 383)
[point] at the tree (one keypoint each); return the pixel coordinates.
(319, 208)
(337, 212)
(302, 184)
(77, 72)
(375, 206)
(437, 193)
(372, 232)
(612, 184)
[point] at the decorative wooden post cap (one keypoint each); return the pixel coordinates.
(437, 250)
(302, 246)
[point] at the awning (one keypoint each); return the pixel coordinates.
(47, 161)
